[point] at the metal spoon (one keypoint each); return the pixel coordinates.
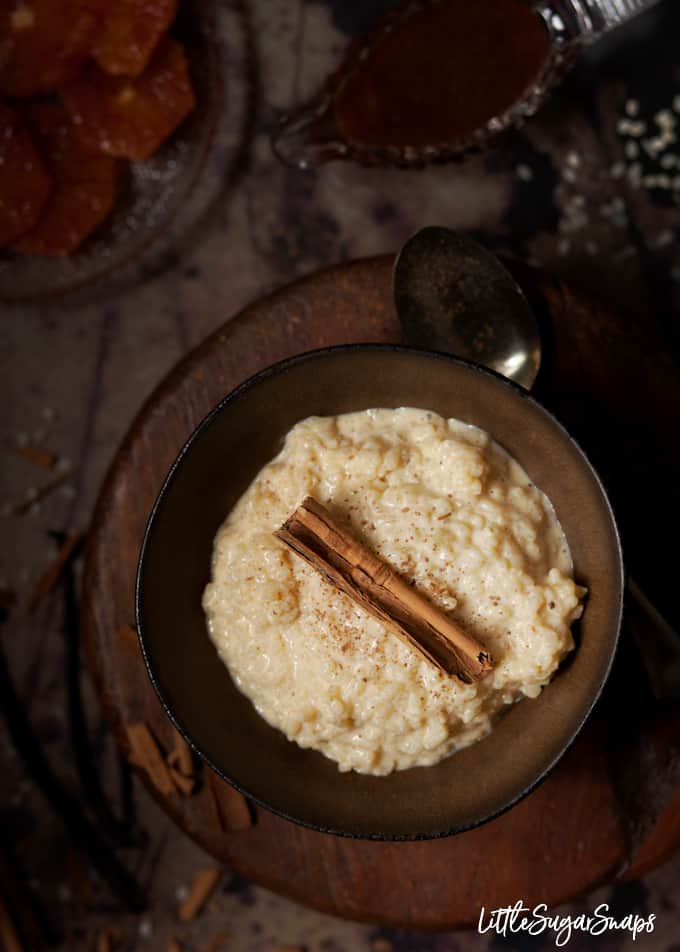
(454, 296)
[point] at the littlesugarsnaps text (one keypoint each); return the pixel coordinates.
(510, 920)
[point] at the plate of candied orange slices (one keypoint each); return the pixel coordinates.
(118, 126)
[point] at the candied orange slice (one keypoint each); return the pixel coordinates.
(24, 181)
(85, 185)
(130, 118)
(43, 43)
(130, 33)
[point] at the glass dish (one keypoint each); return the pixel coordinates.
(311, 134)
(165, 197)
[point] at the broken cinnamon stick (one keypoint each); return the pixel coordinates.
(82, 832)
(314, 535)
(8, 934)
(180, 757)
(200, 891)
(145, 753)
(185, 785)
(233, 812)
(181, 765)
(109, 939)
(37, 455)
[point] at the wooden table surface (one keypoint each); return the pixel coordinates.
(560, 193)
(579, 828)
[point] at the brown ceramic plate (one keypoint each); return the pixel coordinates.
(216, 465)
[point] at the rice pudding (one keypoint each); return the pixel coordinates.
(453, 513)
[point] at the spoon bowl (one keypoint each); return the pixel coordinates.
(454, 296)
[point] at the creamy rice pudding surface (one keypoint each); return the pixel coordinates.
(451, 511)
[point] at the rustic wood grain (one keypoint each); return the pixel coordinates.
(571, 833)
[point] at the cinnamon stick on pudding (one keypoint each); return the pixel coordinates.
(314, 535)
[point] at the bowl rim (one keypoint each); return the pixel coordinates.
(280, 367)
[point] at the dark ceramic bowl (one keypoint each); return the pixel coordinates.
(215, 467)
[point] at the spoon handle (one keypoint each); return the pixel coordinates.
(595, 17)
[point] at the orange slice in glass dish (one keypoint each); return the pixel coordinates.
(131, 118)
(130, 33)
(85, 185)
(24, 180)
(43, 43)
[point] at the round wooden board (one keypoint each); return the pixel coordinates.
(597, 816)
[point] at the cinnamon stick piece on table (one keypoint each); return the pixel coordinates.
(109, 939)
(8, 934)
(185, 785)
(329, 548)
(232, 810)
(200, 892)
(36, 455)
(180, 757)
(145, 753)
(181, 766)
